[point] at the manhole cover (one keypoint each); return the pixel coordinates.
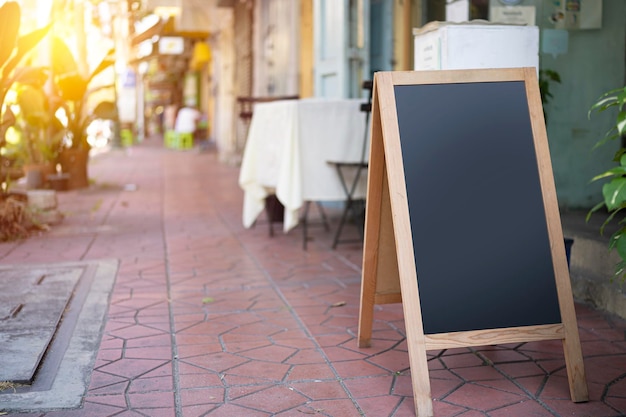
(51, 322)
(31, 305)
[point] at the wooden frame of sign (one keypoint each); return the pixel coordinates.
(474, 213)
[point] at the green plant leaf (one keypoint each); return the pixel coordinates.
(105, 110)
(72, 86)
(621, 123)
(608, 220)
(33, 76)
(593, 210)
(106, 62)
(10, 15)
(614, 193)
(208, 300)
(616, 171)
(63, 62)
(619, 239)
(620, 170)
(24, 45)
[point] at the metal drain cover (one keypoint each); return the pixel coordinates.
(31, 305)
(51, 323)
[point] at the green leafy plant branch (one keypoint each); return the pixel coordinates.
(614, 191)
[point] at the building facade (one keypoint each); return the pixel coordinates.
(326, 48)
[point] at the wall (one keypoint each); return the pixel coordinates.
(223, 77)
(593, 64)
(306, 48)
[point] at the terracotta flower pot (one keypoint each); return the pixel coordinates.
(74, 162)
(37, 174)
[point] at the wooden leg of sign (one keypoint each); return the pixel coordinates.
(571, 341)
(371, 237)
(366, 312)
(416, 343)
(419, 376)
(575, 370)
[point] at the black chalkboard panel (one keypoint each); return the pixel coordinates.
(475, 204)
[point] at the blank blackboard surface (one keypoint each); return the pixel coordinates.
(479, 227)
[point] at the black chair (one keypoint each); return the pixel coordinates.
(354, 209)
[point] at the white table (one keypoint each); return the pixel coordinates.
(287, 151)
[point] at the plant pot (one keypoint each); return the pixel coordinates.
(37, 174)
(569, 242)
(74, 162)
(59, 182)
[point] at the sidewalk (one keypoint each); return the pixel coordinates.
(207, 318)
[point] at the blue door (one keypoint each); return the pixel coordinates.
(341, 38)
(381, 36)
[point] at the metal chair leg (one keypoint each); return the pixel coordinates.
(305, 221)
(305, 235)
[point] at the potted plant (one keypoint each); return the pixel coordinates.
(614, 190)
(39, 136)
(13, 49)
(73, 92)
(546, 78)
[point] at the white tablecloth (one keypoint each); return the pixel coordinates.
(287, 151)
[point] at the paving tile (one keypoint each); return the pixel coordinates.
(380, 406)
(116, 400)
(237, 342)
(532, 384)
(520, 369)
(605, 368)
(110, 389)
(198, 380)
(156, 412)
(270, 343)
(392, 360)
(307, 356)
(443, 383)
(157, 339)
(89, 409)
(310, 372)
(343, 408)
(152, 384)
(154, 352)
(525, 408)
(481, 398)
(265, 399)
(295, 338)
(261, 371)
(231, 410)
(566, 407)
(461, 360)
(478, 373)
(338, 354)
(370, 387)
(132, 367)
(216, 362)
(197, 396)
(271, 353)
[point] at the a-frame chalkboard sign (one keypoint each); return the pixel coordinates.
(462, 223)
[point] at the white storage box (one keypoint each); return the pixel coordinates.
(476, 44)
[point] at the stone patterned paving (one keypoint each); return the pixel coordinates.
(210, 319)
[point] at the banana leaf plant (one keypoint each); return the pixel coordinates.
(614, 191)
(41, 134)
(74, 90)
(13, 49)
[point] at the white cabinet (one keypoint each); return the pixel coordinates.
(477, 44)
